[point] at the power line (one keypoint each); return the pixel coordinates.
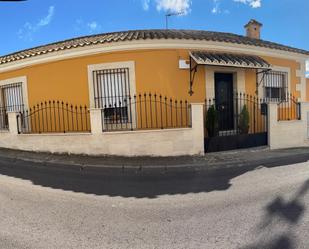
(170, 15)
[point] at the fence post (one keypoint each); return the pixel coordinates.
(12, 118)
(304, 115)
(197, 119)
(96, 121)
(272, 120)
(304, 111)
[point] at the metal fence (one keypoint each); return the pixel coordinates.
(11, 100)
(239, 114)
(145, 111)
(4, 123)
(4, 119)
(289, 109)
(54, 117)
(275, 85)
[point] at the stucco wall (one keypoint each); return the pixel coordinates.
(287, 134)
(307, 89)
(294, 67)
(169, 142)
(250, 78)
(156, 71)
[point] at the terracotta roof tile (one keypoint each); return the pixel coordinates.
(136, 35)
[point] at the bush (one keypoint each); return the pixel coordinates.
(212, 122)
(244, 120)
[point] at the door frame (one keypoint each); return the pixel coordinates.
(226, 116)
(239, 79)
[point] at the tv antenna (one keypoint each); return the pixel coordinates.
(168, 15)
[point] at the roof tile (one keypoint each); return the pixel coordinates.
(136, 35)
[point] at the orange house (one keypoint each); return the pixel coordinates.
(147, 79)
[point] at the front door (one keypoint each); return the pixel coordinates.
(224, 100)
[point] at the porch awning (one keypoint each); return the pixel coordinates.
(229, 60)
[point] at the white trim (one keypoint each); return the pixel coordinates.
(239, 79)
(302, 86)
(115, 65)
(23, 80)
(149, 44)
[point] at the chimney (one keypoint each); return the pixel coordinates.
(253, 29)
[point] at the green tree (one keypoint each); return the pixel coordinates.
(212, 122)
(244, 118)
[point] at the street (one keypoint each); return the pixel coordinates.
(47, 206)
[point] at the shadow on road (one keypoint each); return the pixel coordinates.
(147, 183)
(282, 242)
(290, 212)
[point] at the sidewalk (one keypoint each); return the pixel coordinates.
(219, 160)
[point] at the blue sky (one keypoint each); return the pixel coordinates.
(34, 22)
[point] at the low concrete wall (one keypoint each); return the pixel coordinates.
(170, 142)
(287, 134)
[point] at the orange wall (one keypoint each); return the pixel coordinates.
(293, 65)
(156, 71)
(250, 78)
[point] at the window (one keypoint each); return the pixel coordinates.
(112, 93)
(275, 85)
(11, 99)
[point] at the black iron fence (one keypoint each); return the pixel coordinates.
(4, 123)
(145, 111)
(11, 100)
(275, 85)
(4, 110)
(234, 115)
(289, 109)
(54, 117)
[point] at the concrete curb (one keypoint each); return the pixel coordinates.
(214, 162)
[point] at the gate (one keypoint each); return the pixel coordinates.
(236, 123)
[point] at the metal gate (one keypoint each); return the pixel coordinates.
(237, 123)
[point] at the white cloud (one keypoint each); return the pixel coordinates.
(176, 6)
(253, 3)
(89, 27)
(93, 26)
(146, 4)
(217, 8)
(47, 19)
(28, 29)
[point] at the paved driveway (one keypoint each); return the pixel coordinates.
(250, 207)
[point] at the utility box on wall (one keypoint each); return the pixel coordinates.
(264, 108)
(184, 64)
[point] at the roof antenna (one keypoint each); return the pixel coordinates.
(172, 14)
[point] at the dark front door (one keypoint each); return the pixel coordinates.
(224, 100)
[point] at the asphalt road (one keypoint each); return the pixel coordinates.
(258, 207)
